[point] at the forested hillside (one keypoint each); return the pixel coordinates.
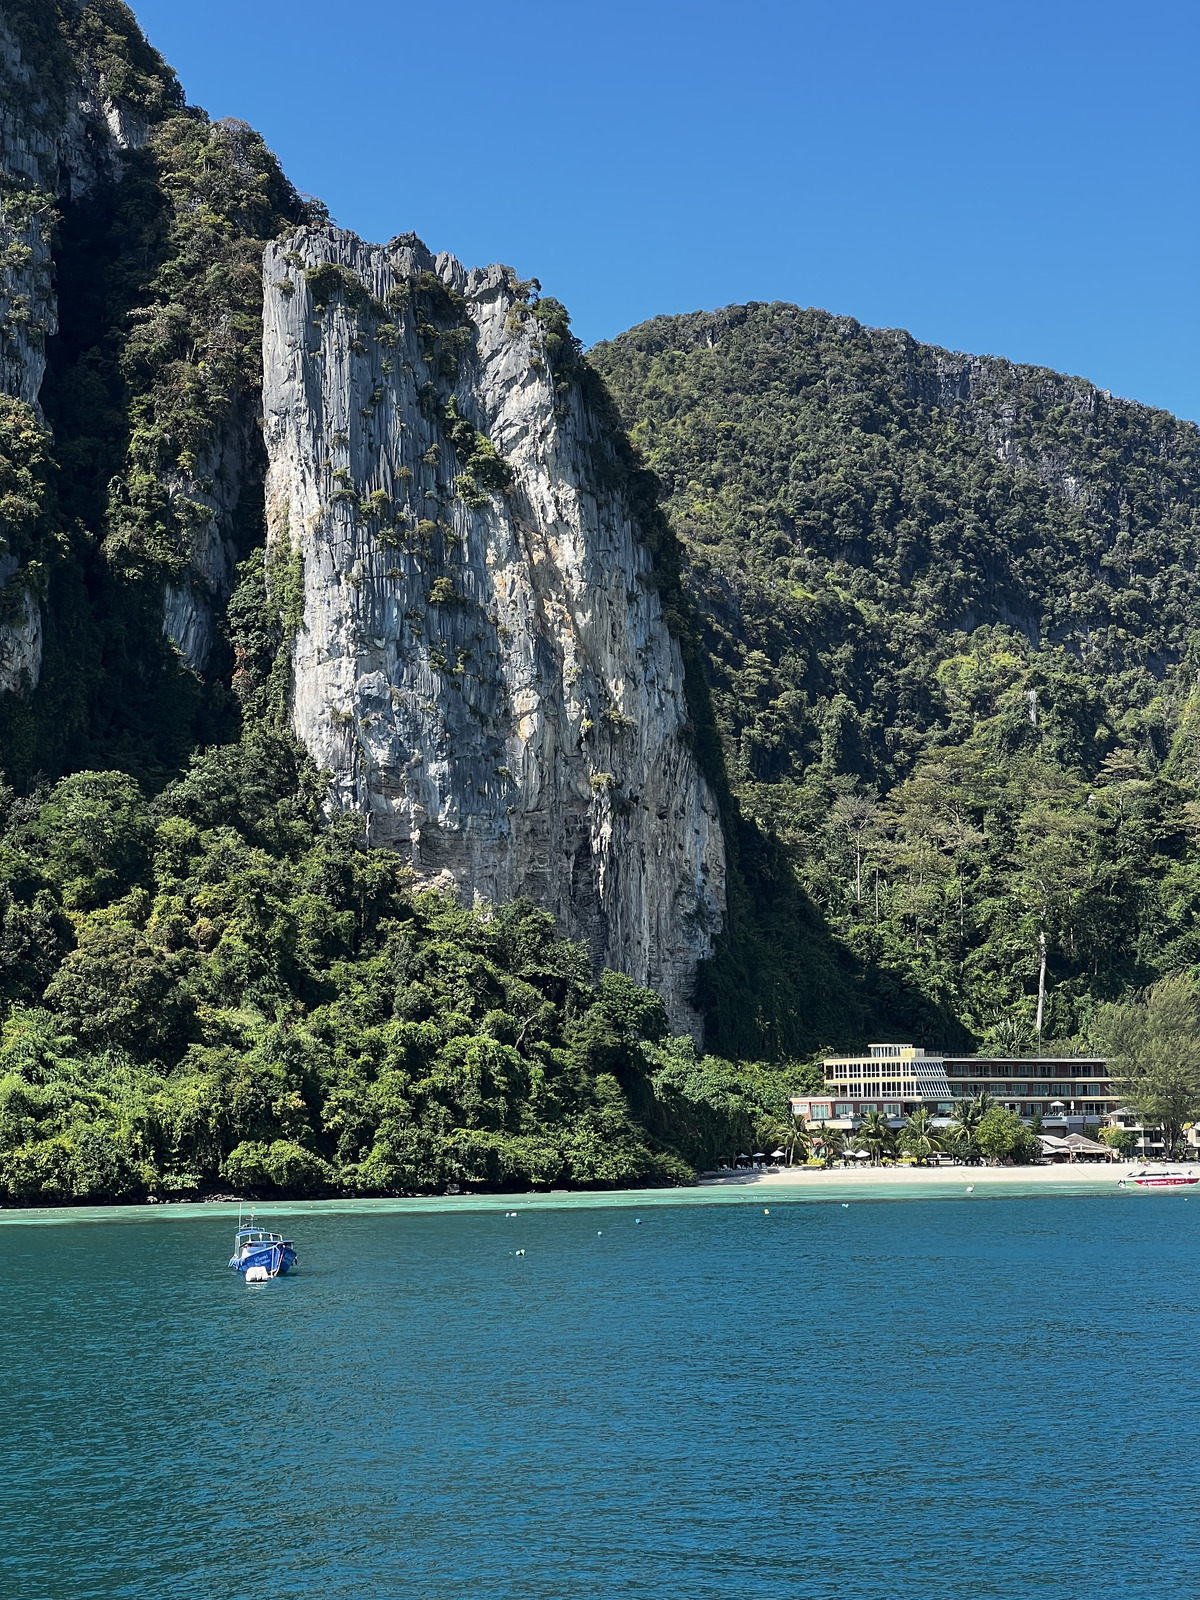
(946, 606)
(218, 989)
(936, 617)
(207, 980)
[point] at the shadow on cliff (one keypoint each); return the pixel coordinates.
(779, 984)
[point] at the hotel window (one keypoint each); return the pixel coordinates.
(1020, 1088)
(891, 1109)
(820, 1112)
(843, 1109)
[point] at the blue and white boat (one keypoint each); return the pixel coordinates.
(261, 1255)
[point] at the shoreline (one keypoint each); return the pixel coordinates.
(1100, 1175)
(788, 1186)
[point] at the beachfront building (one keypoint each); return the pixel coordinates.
(1074, 1147)
(897, 1079)
(1066, 1091)
(894, 1079)
(1149, 1140)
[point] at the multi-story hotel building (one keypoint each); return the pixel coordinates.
(893, 1078)
(896, 1079)
(1055, 1086)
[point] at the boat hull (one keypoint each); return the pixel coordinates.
(1181, 1182)
(276, 1260)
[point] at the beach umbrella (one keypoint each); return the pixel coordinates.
(775, 1154)
(759, 1155)
(862, 1155)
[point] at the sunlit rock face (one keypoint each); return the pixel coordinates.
(479, 657)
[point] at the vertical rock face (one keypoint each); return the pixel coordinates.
(479, 658)
(29, 163)
(62, 138)
(213, 489)
(20, 634)
(28, 167)
(49, 148)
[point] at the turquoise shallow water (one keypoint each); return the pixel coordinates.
(892, 1400)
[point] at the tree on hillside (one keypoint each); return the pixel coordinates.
(1153, 1047)
(1008, 1035)
(856, 815)
(1053, 868)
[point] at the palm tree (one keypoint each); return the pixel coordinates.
(801, 1143)
(876, 1135)
(771, 1133)
(832, 1143)
(919, 1136)
(968, 1114)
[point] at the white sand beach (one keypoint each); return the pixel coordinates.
(1075, 1175)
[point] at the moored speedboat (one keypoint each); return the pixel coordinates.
(1163, 1177)
(260, 1254)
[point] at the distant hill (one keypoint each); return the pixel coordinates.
(946, 605)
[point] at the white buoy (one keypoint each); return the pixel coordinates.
(970, 1188)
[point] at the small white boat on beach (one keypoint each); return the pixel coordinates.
(1163, 1177)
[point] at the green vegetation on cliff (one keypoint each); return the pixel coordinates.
(936, 614)
(945, 607)
(216, 988)
(151, 398)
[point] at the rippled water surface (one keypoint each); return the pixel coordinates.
(949, 1399)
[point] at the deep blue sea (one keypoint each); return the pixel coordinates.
(934, 1398)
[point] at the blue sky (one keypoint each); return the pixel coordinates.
(1016, 179)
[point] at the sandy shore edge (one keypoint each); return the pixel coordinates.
(795, 1186)
(1104, 1175)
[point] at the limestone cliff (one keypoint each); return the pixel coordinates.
(480, 658)
(87, 111)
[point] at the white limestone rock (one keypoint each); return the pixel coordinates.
(489, 679)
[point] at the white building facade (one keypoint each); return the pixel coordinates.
(897, 1079)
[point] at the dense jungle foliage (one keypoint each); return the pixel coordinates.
(936, 616)
(205, 983)
(216, 1036)
(218, 989)
(946, 607)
